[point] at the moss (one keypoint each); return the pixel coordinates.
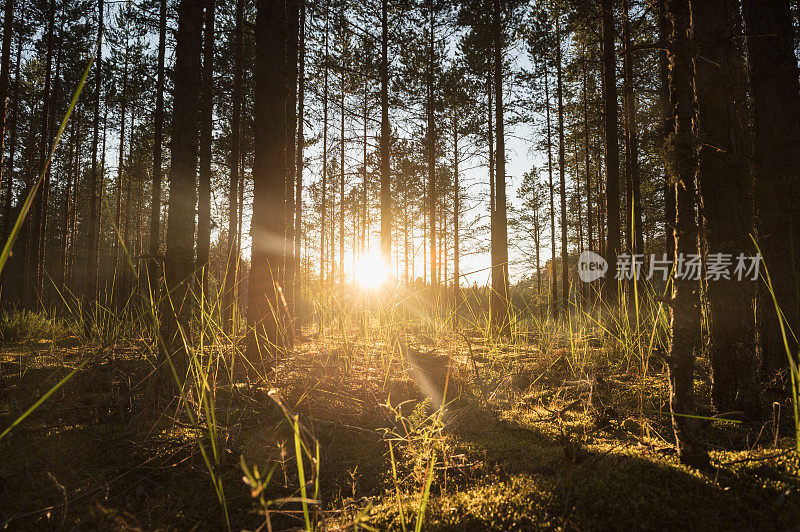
(528, 462)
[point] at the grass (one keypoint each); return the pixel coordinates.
(397, 424)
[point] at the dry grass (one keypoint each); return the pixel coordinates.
(546, 430)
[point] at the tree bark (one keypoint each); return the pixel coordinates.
(499, 302)
(233, 256)
(16, 291)
(586, 133)
(93, 231)
(430, 133)
(682, 167)
(776, 149)
(5, 70)
(562, 173)
(290, 258)
(726, 187)
(456, 224)
(632, 179)
(342, 176)
(553, 282)
(34, 267)
(179, 257)
(206, 138)
(611, 151)
(154, 271)
(386, 197)
(301, 89)
(118, 263)
(324, 191)
(264, 340)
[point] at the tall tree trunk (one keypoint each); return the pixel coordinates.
(586, 133)
(499, 300)
(301, 89)
(683, 167)
(290, 258)
(65, 207)
(206, 138)
(776, 149)
(232, 256)
(633, 187)
(16, 291)
(456, 224)
(492, 188)
(264, 341)
(34, 267)
(124, 272)
(553, 282)
(726, 187)
(154, 270)
(430, 133)
(611, 149)
(73, 217)
(341, 188)
(118, 264)
(386, 193)
(666, 114)
(324, 194)
(179, 258)
(93, 231)
(364, 177)
(5, 70)
(562, 173)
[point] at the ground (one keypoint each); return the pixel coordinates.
(541, 431)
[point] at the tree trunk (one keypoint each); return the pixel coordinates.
(93, 232)
(776, 148)
(499, 305)
(232, 256)
(324, 192)
(456, 223)
(633, 229)
(155, 268)
(341, 187)
(726, 187)
(179, 258)
(14, 292)
(5, 70)
(611, 150)
(206, 138)
(589, 223)
(364, 178)
(301, 89)
(264, 340)
(431, 155)
(682, 167)
(290, 258)
(119, 266)
(34, 267)
(553, 282)
(636, 244)
(492, 188)
(666, 113)
(386, 194)
(562, 174)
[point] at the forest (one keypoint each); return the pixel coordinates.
(400, 265)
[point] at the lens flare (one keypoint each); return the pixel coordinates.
(371, 272)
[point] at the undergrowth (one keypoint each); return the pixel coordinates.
(385, 418)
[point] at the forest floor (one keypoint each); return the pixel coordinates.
(532, 434)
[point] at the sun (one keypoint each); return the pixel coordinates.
(371, 272)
